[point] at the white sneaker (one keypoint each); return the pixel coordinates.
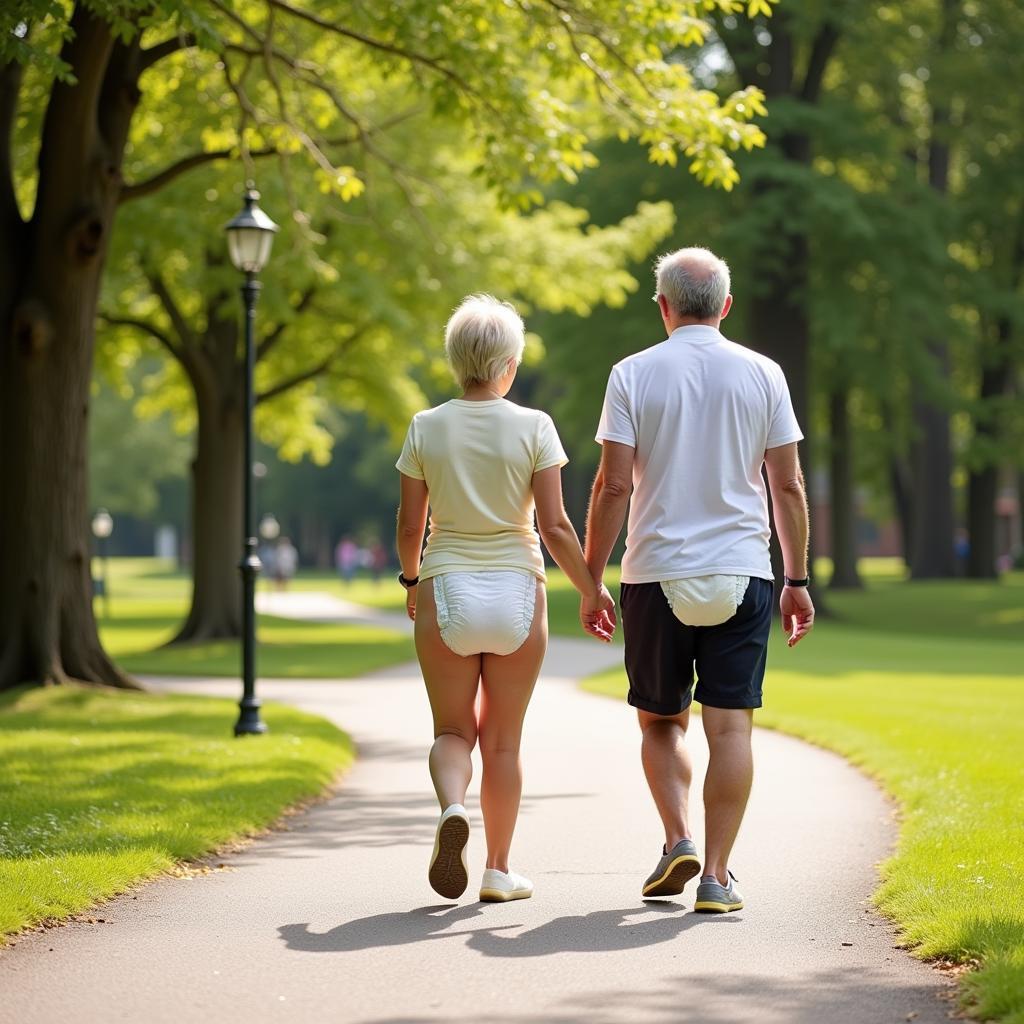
(500, 886)
(448, 873)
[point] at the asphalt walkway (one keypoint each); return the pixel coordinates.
(333, 920)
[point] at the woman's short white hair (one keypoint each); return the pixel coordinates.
(482, 335)
(694, 281)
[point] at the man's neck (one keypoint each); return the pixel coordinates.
(689, 321)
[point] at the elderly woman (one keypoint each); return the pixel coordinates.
(484, 464)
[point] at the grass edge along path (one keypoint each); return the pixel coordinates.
(937, 726)
(106, 789)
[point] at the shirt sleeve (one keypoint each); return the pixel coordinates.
(616, 415)
(549, 451)
(409, 461)
(783, 428)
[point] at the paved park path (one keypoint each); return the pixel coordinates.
(333, 920)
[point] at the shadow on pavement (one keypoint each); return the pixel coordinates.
(364, 818)
(810, 998)
(599, 932)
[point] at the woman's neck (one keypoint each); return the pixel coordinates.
(480, 393)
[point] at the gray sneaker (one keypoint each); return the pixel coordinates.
(674, 870)
(715, 898)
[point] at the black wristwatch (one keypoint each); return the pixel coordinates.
(408, 584)
(805, 582)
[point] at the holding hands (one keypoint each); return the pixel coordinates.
(597, 614)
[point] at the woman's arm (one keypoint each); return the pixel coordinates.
(556, 530)
(412, 521)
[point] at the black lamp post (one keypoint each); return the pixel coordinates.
(250, 235)
(102, 528)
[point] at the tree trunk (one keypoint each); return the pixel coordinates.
(216, 609)
(844, 518)
(899, 480)
(51, 270)
(983, 483)
(932, 556)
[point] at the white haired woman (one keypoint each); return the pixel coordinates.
(484, 465)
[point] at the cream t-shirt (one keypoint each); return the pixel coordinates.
(478, 461)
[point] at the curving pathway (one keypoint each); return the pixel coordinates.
(333, 920)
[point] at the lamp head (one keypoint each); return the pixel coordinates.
(250, 235)
(102, 524)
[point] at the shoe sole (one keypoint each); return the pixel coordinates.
(674, 879)
(710, 907)
(500, 896)
(448, 875)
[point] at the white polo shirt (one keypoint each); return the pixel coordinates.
(700, 411)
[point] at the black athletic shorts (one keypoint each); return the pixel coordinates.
(661, 652)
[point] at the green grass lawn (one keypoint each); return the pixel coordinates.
(103, 789)
(149, 601)
(922, 685)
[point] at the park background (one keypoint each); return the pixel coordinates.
(860, 166)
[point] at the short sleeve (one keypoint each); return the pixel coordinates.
(616, 416)
(783, 428)
(549, 451)
(409, 461)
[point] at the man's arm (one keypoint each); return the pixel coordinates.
(609, 499)
(789, 504)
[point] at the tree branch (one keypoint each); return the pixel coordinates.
(144, 325)
(300, 378)
(69, 132)
(181, 326)
(274, 335)
(156, 52)
(182, 166)
(10, 85)
(821, 52)
(412, 56)
(314, 371)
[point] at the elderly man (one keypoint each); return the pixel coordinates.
(687, 426)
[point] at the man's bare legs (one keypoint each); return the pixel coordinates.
(727, 784)
(668, 768)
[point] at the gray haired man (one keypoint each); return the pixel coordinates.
(686, 428)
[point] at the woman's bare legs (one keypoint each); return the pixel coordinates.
(508, 683)
(452, 683)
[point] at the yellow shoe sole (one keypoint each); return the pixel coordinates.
(710, 907)
(675, 876)
(500, 896)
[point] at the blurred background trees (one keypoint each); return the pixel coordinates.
(105, 106)
(413, 155)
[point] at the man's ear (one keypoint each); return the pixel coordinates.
(727, 306)
(663, 306)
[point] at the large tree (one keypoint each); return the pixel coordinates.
(73, 77)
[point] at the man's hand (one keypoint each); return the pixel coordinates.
(597, 614)
(410, 602)
(797, 613)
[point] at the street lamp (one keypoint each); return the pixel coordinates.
(270, 528)
(102, 528)
(250, 235)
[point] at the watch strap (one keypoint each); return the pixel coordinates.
(789, 582)
(407, 583)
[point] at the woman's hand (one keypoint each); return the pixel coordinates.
(410, 602)
(597, 614)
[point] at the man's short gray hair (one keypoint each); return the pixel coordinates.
(694, 281)
(482, 335)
